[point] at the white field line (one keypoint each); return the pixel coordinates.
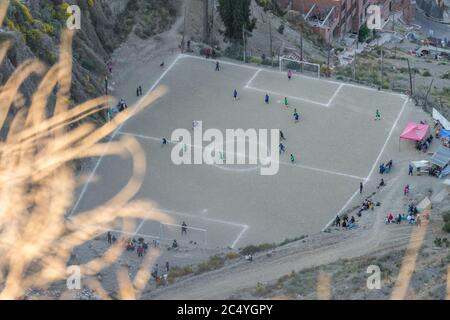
(133, 234)
(298, 75)
(239, 237)
(322, 170)
(403, 96)
(252, 78)
(334, 95)
(250, 158)
(184, 214)
(140, 226)
(255, 68)
(244, 227)
(187, 228)
(290, 97)
(91, 176)
(374, 164)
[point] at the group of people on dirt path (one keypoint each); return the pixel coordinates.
(346, 223)
(131, 244)
(141, 247)
(424, 144)
(413, 217)
(385, 168)
(163, 276)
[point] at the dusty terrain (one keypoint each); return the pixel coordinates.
(371, 241)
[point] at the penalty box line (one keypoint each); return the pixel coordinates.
(244, 227)
(288, 96)
(279, 162)
(326, 105)
(182, 55)
(131, 234)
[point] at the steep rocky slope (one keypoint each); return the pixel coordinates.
(35, 27)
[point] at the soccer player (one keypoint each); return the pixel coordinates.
(377, 115)
(266, 99)
(235, 94)
(289, 74)
(292, 158)
(282, 148)
(286, 103)
(296, 115)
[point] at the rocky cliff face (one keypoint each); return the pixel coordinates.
(35, 26)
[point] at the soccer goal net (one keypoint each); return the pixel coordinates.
(187, 235)
(298, 66)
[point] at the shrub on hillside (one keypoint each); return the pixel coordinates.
(252, 249)
(446, 227)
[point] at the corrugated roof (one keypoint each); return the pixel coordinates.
(441, 157)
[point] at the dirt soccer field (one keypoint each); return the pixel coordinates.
(337, 144)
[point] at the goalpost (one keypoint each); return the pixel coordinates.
(299, 66)
(168, 232)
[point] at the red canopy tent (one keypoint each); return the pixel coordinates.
(415, 131)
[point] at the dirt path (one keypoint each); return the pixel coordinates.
(137, 62)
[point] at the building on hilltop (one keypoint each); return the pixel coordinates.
(335, 18)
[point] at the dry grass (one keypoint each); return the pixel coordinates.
(37, 182)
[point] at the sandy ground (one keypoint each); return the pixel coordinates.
(372, 236)
(300, 187)
(335, 143)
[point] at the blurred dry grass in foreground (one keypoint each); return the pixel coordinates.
(37, 181)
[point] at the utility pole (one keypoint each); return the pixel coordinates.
(357, 41)
(382, 66)
(354, 64)
(410, 79)
(301, 49)
(301, 44)
(108, 115)
(428, 92)
(206, 21)
(184, 29)
(328, 58)
(271, 43)
(330, 48)
(211, 31)
(243, 39)
(393, 21)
